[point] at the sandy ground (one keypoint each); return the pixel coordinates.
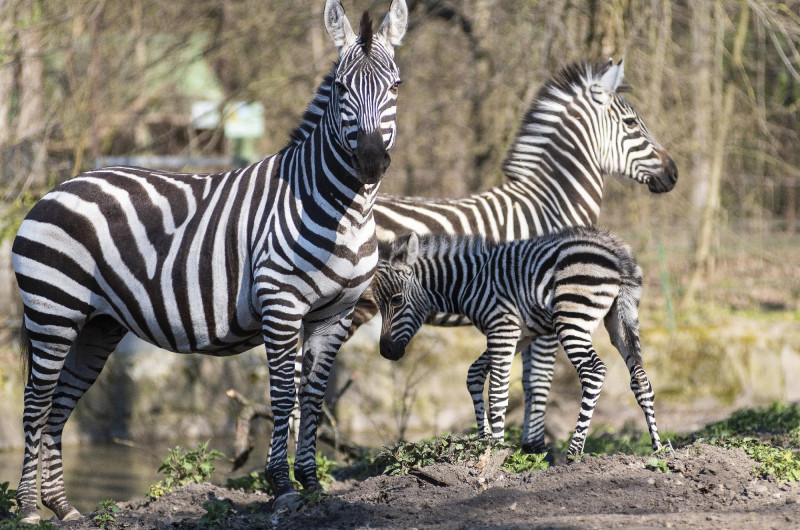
(706, 487)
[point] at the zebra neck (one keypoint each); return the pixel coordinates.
(450, 280)
(567, 188)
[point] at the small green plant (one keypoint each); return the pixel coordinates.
(255, 481)
(658, 464)
(185, 467)
(400, 458)
(310, 498)
(519, 462)
(8, 499)
(779, 423)
(217, 513)
(106, 516)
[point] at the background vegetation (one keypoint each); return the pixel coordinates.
(717, 82)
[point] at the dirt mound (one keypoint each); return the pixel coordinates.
(706, 487)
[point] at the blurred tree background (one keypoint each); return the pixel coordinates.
(717, 82)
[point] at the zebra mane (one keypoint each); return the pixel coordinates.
(550, 100)
(445, 245)
(315, 110)
(366, 32)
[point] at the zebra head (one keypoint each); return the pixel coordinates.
(364, 93)
(625, 146)
(399, 295)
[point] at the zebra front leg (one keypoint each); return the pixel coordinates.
(322, 343)
(501, 344)
(476, 382)
(538, 361)
(83, 365)
(281, 332)
(577, 343)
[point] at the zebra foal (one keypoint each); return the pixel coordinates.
(564, 283)
(213, 264)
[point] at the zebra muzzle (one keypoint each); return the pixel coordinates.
(666, 179)
(371, 158)
(391, 349)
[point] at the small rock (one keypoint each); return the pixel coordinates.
(651, 481)
(513, 506)
(776, 495)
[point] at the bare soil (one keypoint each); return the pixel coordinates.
(706, 487)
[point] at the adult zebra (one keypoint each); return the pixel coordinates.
(213, 264)
(564, 283)
(578, 129)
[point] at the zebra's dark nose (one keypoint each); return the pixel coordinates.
(371, 158)
(664, 181)
(392, 350)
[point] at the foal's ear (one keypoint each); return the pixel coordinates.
(406, 250)
(609, 82)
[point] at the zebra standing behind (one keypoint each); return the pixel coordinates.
(213, 264)
(563, 284)
(578, 130)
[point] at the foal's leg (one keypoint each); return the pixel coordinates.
(538, 361)
(83, 365)
(501, 345)
(476, 382)
(577, 343)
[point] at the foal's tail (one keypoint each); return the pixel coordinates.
(25, 351)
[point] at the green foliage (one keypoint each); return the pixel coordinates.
(783, 464)
(520, 462)
(402, 457)
(8, 499)
(15, 523)
(779, 422)
(658, 464)
(107, 510)
(217, 513)
(255, 481)
(629, 441)
(185, 467)
(12, 215)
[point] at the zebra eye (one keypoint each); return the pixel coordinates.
(630, 122)
(394, 87)
(341, 87)
(396, 300)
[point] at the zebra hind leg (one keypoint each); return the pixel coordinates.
(502, 344)
(476, 381)
(85, 361)
(577, 344)
(46, 356)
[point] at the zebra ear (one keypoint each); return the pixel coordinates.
(406, 250)
(612, 79)
(338, 26)
(394, 24)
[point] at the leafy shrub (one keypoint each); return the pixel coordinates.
(520, 462)
(185, 467)
(107, 510)
(8, 499)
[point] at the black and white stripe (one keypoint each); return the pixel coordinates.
(564, 283)
(578, 130)
(214, 264)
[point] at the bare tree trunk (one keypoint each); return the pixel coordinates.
(702, 58)
(6, 69)
(723, 105)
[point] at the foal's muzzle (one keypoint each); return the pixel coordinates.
(391, 349)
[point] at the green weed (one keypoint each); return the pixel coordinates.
(15, 523)
(217, 513)
(107, 510)
(783, 464)
(257, 481)
(519, 462)
(185, 467)
(8, 499)
(658, 464)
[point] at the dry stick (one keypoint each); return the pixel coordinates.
(329, 434)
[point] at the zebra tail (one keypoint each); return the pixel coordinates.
(25, 351)
(630, 294)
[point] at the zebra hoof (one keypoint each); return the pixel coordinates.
(289, 502)
(72, 515)
(31, 518)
